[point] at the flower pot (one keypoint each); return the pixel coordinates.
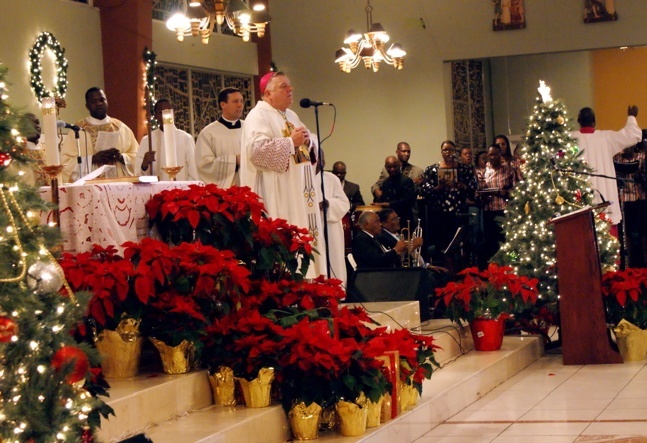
(487, 333)
(304, 421)
(632, 341)
(120, 349)
(223, 386)
(328, 419)
(257, 391)
(408, 396)
(178, 359)
(352, 418)
(386, 409)
(373, 413)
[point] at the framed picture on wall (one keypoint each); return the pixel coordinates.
(599, 11)
(508, 14)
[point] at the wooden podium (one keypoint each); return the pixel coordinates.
(584, 334)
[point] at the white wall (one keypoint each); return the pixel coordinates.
(76, 27)
(375, 111)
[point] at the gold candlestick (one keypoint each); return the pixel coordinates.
(53, 171)
(172, 171)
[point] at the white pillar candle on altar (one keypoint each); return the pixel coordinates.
(48, 107)
(170, 150)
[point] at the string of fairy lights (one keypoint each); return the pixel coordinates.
(44, 42)
(150, 61)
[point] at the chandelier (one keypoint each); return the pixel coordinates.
(369, 47)
(200, 17)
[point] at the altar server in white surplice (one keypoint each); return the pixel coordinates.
(338, 206)
(277, 160)
(217, 153)
(599, 148)
(184, 146)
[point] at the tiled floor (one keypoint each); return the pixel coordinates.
(551, 403)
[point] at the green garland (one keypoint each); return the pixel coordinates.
(149, 85)
(47, 41)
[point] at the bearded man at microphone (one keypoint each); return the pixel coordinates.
(278, 161)
(103, 140)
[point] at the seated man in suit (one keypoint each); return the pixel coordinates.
(368, 252)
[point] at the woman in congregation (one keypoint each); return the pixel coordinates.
(447, 186)
(506, 154)
(498, 180)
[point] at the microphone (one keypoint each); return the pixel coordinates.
(306, 103)
(60, 124)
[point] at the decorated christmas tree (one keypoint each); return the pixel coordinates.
(547, 192)
(46, 388)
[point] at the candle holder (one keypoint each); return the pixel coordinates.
(53, 171)
(172, 171)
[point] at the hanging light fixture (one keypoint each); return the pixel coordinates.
(369, 47)
(200, 17)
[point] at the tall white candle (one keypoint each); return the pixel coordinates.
(48, 106)
(170, 150)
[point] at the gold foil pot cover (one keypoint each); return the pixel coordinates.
(408, 396)
(328, 420)
(121, 349)
(373, 412)
(222, 383)
(632, 341)
(352, 418)
(176, 359)
(304, 421)
(386, 408)
(257, 391)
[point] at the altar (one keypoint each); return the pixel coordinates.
(106, 213)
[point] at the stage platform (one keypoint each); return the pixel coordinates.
(179, 408)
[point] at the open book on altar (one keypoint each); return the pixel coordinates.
(97, 176)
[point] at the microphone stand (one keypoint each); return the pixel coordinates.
(323, 191)
(79, 159)
(621, 237)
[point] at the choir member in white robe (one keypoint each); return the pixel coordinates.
(98, 143)
(217, 153)
(599, 148)
(338, 206)
(276, 163)
(184, 146)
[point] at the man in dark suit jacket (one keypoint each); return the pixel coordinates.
(367, 250)
(398, 193)
(350, 189)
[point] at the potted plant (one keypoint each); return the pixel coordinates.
(116, 307)
(625, 297)
(485, 299)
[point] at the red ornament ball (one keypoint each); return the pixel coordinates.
(5, 159)
(8, 328)
(71, 353)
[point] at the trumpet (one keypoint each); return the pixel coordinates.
(411, 256)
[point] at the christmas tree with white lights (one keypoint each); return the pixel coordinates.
(46, 388)
(547, 192)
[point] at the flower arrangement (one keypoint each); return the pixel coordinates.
(625, 295)
(232, 219)
(490, 293)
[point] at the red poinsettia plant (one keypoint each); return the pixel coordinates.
(232, 219)
(625, 296)
(490, 293)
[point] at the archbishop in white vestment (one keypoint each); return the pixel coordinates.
(338, 206)
(185, 148)
(275, 163)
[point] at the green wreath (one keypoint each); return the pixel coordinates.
(47, 41)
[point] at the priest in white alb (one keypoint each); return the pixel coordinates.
(337, 206)
(150, 162)
(217, 151)
(277, 161)
(103, 140)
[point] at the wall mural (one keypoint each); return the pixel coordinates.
(599, 11)
(468, 103)
(508, 14)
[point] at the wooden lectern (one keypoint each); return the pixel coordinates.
(584, 334)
